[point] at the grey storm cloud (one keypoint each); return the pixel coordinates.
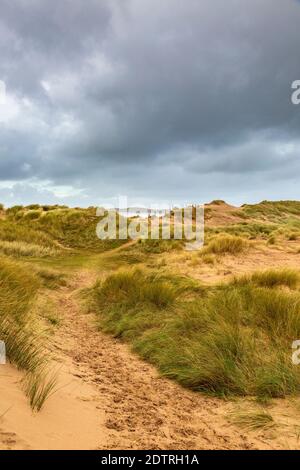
(169, 100)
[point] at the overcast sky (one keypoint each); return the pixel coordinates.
(159, 100)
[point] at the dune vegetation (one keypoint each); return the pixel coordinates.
(20, 330)
(55, 226)
(29, 238)
(229, 337)
(36, 244)
(232, 339)
(223, 244)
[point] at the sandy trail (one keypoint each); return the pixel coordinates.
(110, 399)
(141, 409)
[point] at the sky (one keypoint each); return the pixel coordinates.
(161, 101)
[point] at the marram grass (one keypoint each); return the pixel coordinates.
(232, 339)
(20, 331)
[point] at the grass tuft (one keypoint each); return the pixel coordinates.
(252, 420)
(273, 278)
(22, 249)
(38, 387)
(223, 244)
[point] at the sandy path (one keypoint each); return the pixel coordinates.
(141, 410)
(110, 399)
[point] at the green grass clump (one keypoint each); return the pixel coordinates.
(247, 229)
(12, 231)
(39, 387)
(160, 246)
(272, 240)
(134, 288)
(32, 214)
(252, 419)
(18, 289)
(18, 326)
(232, 339)
(22, 249)
(273, 278)
(277, 379)
(208, 259)
(217, 202)
(293, 236)
(51, 278)
(273, 210)
(223, 244)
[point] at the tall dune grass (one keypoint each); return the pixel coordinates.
(22, 249)
(12, 231)
(232, 339)
(272, 278)
(223, 244)
(252, 419)
(18, 328)
(71, 228)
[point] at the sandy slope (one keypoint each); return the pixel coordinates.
(70, 419)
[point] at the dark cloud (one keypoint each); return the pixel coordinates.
(169, 100)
